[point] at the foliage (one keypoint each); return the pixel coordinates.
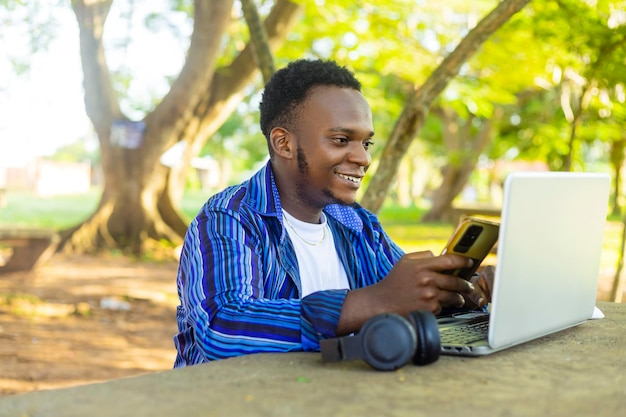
(382, 46)
(516, 80)
(131, 34)
(79, 151)
(34, 24)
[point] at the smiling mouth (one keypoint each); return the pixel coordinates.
(355, 180)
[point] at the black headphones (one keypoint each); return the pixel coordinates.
(388, 341)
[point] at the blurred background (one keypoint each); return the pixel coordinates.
(140, 112)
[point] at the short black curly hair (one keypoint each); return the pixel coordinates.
(289, 87)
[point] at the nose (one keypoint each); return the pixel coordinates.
(359, 155)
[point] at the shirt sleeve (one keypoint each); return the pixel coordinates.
(236, 298)
(320, 316)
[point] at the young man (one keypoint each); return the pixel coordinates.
(288, 257)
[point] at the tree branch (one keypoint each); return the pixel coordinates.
(101, 103)
(229, 82)
(414, 114)
(176, 110)
(258, 39)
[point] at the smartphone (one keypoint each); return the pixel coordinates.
(474, 238)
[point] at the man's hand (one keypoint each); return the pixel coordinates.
(416, 282)
(483, 286)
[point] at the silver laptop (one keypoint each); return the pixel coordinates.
(548, 261)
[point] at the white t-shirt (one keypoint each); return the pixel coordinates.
(320, 266)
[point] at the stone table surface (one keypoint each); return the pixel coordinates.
(577, 372)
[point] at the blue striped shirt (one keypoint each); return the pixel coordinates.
(238, 280)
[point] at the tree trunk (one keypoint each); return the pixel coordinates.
(617, 288)
(463, 148)
(136, 206)
(416, 109)
(258, 40)
(616, 159)
(225, 92)
(573, 104)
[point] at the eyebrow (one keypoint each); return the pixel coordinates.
(347, 130)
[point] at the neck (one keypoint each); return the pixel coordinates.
(290, 201)
(304, 214)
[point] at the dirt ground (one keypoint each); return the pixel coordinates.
(78, 320)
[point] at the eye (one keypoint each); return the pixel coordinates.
(368, 143)
(342, 140)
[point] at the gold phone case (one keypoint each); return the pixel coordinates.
(474, 238)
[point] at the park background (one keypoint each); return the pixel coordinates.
(121, 118)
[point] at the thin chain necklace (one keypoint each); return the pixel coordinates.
(308, 242)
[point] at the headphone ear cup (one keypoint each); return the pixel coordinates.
(388, 341)
(428, 338)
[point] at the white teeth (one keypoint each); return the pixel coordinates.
(349, 178)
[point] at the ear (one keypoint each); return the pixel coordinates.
(282, 142)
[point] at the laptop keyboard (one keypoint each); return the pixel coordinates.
(462, 335)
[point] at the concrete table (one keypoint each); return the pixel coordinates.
(577, 372)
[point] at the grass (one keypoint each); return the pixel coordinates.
(24, 209)
(401, 223)
(59, 212)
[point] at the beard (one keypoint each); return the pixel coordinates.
(303, 164)
(304, 189)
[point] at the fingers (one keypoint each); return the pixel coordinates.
(451, 299)
(476, 298)
(446, 290)
(482, 293)
(419, 281)
(483, 285)
(419, 255)
(487, 277)
(452, 283)
(427, 261)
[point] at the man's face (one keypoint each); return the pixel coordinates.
(333, 134)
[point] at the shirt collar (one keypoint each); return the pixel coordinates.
(262, 195)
